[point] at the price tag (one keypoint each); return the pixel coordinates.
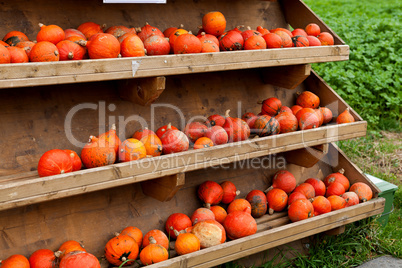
(134, 1)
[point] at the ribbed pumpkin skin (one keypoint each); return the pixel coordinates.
(306, 189)
(42, 258)
(277, 200)
(203, 142)
(258, 202)
(5, 56)
(327, 113)
(17, 55)
(239, 224)
(229, 192)
(351, 198)
(54, 162)
(102, 46)
(131, 149)
(287, 121)
(362, 190)
(89, 29)
(15, 261)
(249, 33)
(345, 117)
(209, 232)
(70, 246)
(335, 188)
(14, 37)
(201, 214)
(187, 243)
(187, 43)
(174, 141)
(134, 232)
(153, 253)
(95, 155)
(319, 186)
(249, 118)
(121, 248)
(153, 145)
(147, 31)
(159, 236)
(240, 204)
(51, 33)
(337, 202)
(110, 139)
(69, 50)
(295, 109)
(300, 209)
(78, 259)
(43, 52)
(255, 42)
(308, 99)
(215, 120)
(271, 106)
(214, 23)
(308, 120)
(210, 192)
(132, 46)
(218, 135)
(286, 38)
(157, 45)
(231, 41)
(266, 125)
(300, 41)
(321, 205)
(195, 130)
(178, 222)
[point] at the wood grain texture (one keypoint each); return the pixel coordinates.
(288, 77)
(163, 189)
(143, 91)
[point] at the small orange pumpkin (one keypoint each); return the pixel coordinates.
(321, 205)
(210, 192)
(255, 42)
(17, 55)
(153, 145)
(277, 200)
(362, 190)
(220, 213)
(15, 261)
(283, 180)
(4, 55)
(44, 51)
(102, 46)
(239, 224)
(134, 232)
(89, 29)
(273, 40)
(79, 259)
(157, 45)
(54, 162)
(319, 186)
(214, 23)
(195, 130)
(271, 106)
(187, 243)
(203, 142)
(187, 43)
(300, 209)
(306, 189)
(43, 258)
(73, 32)
(131, 149)
(51, 33)
(110, 139)
(132, 46)
(313, 29)
(326, 39)
(262, 30)
(345, 117)
(77, 163)
(120, 30)
(240, 204)
(120, 249)
(327, 113)
(308, 119)
(94, 154)
(258, 202)
(153, 253)
(351, 198)
(177, 221)
(26, 45)
(308, 99)
(295, 109)
(337, 177)
(208, 37)
(147, 30)
(14, 37)
(335, 188)
(337, 202)
(208, 46)
(287, 122)
(286, 38)
(295, 196)
(70, 50)
(157, 235)
(201, 214)
(173, 37)
(139, 134)
(229, 192)
(231, 41)
(70, 246)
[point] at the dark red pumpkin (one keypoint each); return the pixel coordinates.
(287, 122)
(239, 224)
(195, 130)
(54, 162)
(215, 120)
(266, 125)
(271, 106)
(174, 141)
(43, 258)
(230, 41)
(249, 118)
(120, 249)
(319, 186)
(79, 259)
(237, 129)
(229, 192)
(258, 202)
(178, 222)
(147, 30)
(210, 192)
(217, 134)
(156, 45)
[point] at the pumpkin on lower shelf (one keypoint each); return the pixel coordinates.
(209, 232)
(258, 202)
(79, 259)
(239, 224)
(321, 205)
(240, 204)
(277, 200)
(220, 213)
(44, 51)
(203, 142)
(157, 235)
(15, 261)
(77, 163)
(177, 221)
(351, 198)
(236, 128)
(300, 209)
(229, 192)
(210, 192)
(337, 177)
(362, 190)
(69, 246)
(284, 180)
(174, 141)
(134, 232)
(121, 248)
(345, 117)
(43, 258)
(186, 243)
(153, 253)
(54, 162)
(201, 214)
(131, 149)
(337, 202)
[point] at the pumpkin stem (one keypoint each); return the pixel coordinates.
(103, 26)
(113, 127)
(181, 26)
(207, 205)
(341, 171)
(124, 259)
(116, 234)
(137, 29)
(269, 189)
(82, 42)
(41, 25)
(270, 211)
(56, 52)
(259, 102)
(70, 55)
(58, 253)
(169, 126)
(176, 233)
(152, 239)
(248, 28)
(227, 113)
(237, 192)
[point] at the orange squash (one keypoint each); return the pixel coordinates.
(79, 259)
(27, 46)
(14, 37)
(89, 29)
(240, 204)
(187, 43)
(300, 209)
(306, 189)
(110, 139)
(102, 46)
(327, 113)
(70, 50)
(313, 29)
(77, 163)
(258, 202)
(351, 198)
(139, 134)
(308, 99)
(51, 33)
(131, 149)
(44, 51)
(153, 145)
(195, 130)
(214, 23)
(321, 205)
(345, 117)
(157, 45)
(217, 134)
(337, 202)
(295, 196)
(4, 55)
(277, 200)
(335, 188)
(174, 141)
(220, 213)
(201, 214)
(239, 224)
(255, 42)
(236, 128)
(231, 41)
(17, 55)
(120, 30)
(266, 125)
(326, 39)
(73, 32)
(229, 192)
(70, 246)
(362, 190)
(209, 232)
(54, 162)
(120, 249)
(134, 232)
(273, 40)
(95, 155)
(210, 192)
(153, 253)
(43, 258)
(177, 221)
(15, 261)
(203, 142)
(319, 186)
(271, 106)
(147, 30)
(157, 235)
(287, 122)
(132, 46)
(337, 177)
(187, 243)
(283, 180)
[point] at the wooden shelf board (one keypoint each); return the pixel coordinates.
(50, 73)
(24, 191)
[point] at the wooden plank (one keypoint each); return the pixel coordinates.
(298, 15)
(163, 189)
(306, 157)
(48, 188)
(336, 231)
(267, 239)
(286, 76)
(143, 91)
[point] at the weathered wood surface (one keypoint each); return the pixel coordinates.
(286, 76)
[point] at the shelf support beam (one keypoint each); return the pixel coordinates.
(307, 157)
(164, 188)
(142, 91)
(286, 76)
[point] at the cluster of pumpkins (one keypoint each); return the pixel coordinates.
(90, 40)
(274, 118)
(223, 216)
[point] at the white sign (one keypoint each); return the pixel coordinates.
(134, 1)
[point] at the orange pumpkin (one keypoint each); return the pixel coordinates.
(258, 202)
(201, 214)
(321, 205)
(94, 154)
(266, 125)
(240, 204)
(54, 162)
(174, 141)
(236, 128)
(326, 39)
(89, 29)
(300, 41)
(43, 258)
(139, 134)
(44, 51)
(337, 202)
(351, 198)
(162, 130)
(286, 31)
(313, 29)
(249, 118)
(203, 142)
(271, 106)
(195, 130)
(173, 37)
(153, 253)
(120, 30)
(73, 32)
(362, 190)
(178, 222)
(102, 46)
(210, 192)
(308, 119)
(306, 189)
(295, 109)
(110, 139)
(208, 37)
(337, 177)
(187, 43)
(277, 200)
(220, 213)
(320, 116)
(217, 134)
(208, 46)
(215, 120)
(295, 196)
(51, 33)
(120, 249)
(335, 188)
(70, 50)
(345, 117)
(262, 30)
(273, 40)
(4, 55)
(147, 30)
(14, 37)
(239, 224)
(131, 149)
(229, 192)
(153, 145)
(327, 113)
(134, 232)
(231, 41)
(132, 46)
(77, 163)
(286, 38)
(26, 45)
(299, 31)
(287, 122)
(300, 209)
(187, 243)
(15, 261)
(319, 186)
(214, 23)
(255, 42)
(283, 180)
(157, 45)
(209, 232)
(70, 246)
(79, 259)
(17, 55)
(157, 235)
(313, 41)
(308, 99)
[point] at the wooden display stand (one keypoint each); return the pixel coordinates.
(48, 105)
